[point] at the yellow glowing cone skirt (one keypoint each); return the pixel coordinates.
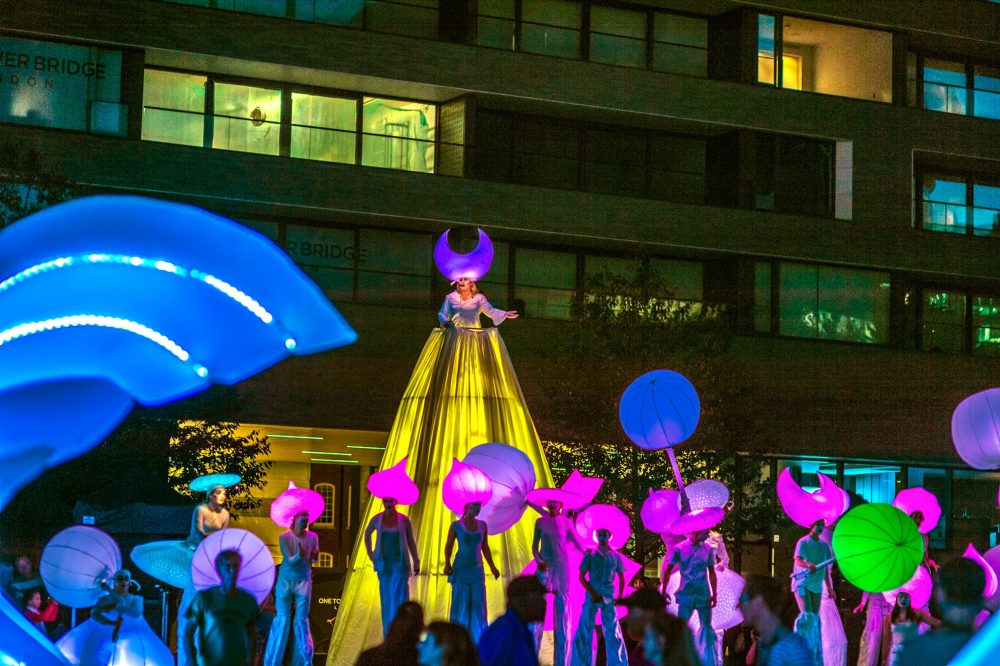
(462, 393)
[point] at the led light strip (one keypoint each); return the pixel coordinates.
(229, 290)
(71, 321)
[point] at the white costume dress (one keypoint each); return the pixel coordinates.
(95, 643)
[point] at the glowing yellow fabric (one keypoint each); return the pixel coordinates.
(462, 393)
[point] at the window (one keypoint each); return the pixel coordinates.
(762, 297)
(985, 325)
(551, 27)
(793, 175)
(546, 153)
(822, 57)
(61, 85)
(953, 86)
(948, 202)
(327, 256)
(212, 111)
(618, 36)
(397, 270)
(827, 303)
(680, 44)
(545, 282)
(943, 321)
(325, 561)
(328, 492)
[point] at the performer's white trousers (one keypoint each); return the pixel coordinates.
(561, 636)
(287, 592)
(583, 649)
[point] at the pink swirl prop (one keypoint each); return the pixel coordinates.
(804, 508)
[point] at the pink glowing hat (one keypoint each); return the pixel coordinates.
(705, 493)
(991, 576)
(465, 484)
(394, 482)
(697, 520)
(293, 501)
(919, 587)
(805, 508)
(604, 516)
(473, 265)
(256, 574)
(660, 510)
(541, 496)
(584, 487)
(917, 499)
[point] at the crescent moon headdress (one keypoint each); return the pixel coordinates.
(804, 508)
(473, 265)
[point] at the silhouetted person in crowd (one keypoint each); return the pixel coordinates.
(762, 603)
(643, 605)
(668, 641)
(400, 645)
(959, 595)
(221, 621)
(509, 641)
(446, 644)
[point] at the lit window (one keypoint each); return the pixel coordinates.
(325, 561)
(765, 50)
(398, 134)
(791, 71)
(328, 492)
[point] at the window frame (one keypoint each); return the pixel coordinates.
(969, 66)
(328, 506)
(969, 178)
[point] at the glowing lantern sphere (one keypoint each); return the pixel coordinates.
(912, 500)
(473, 265)
(975, 429)
(698, 520)
(878, 547)
(726, 612)
(705, 493)
(256, 564)
(584, 487)
(920, 586)
(394, 482)
(660, 510)
(603, 516)
(75, 562)
(464, 485)
(659, 409)
(293, 501)
(805, 508)
(990, 588)
(513, 477)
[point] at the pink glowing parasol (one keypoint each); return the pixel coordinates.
(75, 562)
(917, 499)
(394, 482)
(603, 516)
(256, 574)
(584, 487)
(991, 576)
(919, 587)
(293, 501)
(705, 493)
(541, 496)
(473, 265)
(465, 484)
(805, 508)
(726, 613)
(660, 510)
(512, 475)
(697, 520)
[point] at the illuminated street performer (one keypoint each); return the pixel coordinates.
(297, 507)
(813, 557)
(170, 561)
(468, 580)
(554, 533)
(597, 574)
(394, 555)
(695, 559)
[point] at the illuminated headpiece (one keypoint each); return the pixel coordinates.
(395, 483)
(604, 517)
(293, 501)
(209, 482)
(464, 485)
(473, 265)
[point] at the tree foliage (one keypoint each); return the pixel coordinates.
(29, 182)
(200, 448)
(627, 326)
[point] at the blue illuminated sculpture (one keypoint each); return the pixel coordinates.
(107, 301)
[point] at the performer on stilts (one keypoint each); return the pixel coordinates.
(597, 574)
(812, 567)
(170, 561)
(871, 638)
(466, 575)
(394, 555)
(297, 507)
(695, 559)
(554, 533)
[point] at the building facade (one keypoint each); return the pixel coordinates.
(829, 171)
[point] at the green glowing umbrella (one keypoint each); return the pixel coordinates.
(878, 547)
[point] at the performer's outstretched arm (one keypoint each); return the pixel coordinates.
(487, 553)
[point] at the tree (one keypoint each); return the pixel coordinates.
(627, 326)
(29, 182)
(199, 448)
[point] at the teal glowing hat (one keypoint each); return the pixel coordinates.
(209, 482)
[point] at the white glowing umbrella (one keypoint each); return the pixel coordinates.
(513, 477)
(75, 562)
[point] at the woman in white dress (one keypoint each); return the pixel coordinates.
(900, 626)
